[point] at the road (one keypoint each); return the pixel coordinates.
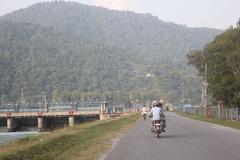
(185, 139)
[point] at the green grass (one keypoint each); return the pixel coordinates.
(223, 122)
(80, 142)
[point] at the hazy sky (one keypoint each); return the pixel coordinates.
(193, 13)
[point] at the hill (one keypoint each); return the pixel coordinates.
(67, 49)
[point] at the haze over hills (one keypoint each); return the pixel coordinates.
(67, 49)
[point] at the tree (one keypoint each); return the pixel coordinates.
(197, 59)
(56, 95)
(3, 99)
(238, 23)
(222, 57)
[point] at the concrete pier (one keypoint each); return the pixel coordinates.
(71, 121)
(9, 124)
(40, 124)
(102, 117)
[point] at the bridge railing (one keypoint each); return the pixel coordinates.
(51, 107)
(62, 107)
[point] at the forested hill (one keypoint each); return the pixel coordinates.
(66, 48)
(138, 31)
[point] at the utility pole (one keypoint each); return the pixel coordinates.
(22, 97)
(22, 101)
(202, 88)
(205, 87)
(45, 102)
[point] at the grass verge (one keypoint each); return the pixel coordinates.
(82, 142)
(223, 122)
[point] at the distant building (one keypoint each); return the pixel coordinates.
(148, 75)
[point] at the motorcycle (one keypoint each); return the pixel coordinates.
(144, 117)
(158, 128)
(144, 114)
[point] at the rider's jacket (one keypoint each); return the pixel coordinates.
(155, 112)
(144, 110)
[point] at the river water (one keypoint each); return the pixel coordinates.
(6, 137)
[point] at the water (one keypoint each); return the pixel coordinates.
(7, 137)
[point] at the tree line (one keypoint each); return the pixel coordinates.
(222, 57)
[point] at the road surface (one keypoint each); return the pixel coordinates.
(185, 139)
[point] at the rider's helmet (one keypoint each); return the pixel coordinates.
(154, 103)
(158, 104)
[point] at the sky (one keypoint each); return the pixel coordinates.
(193, 13)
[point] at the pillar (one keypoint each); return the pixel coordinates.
(40, 124)
(9, 124)
(46, 107)
(114, 110)
(101, 108)
(219, 109)
(105, 106)
(102, 117)
(71, 121)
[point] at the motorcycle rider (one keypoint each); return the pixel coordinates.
(157, 114)
(163, 117)
(144, 112)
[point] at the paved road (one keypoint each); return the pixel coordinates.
(185, 139)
